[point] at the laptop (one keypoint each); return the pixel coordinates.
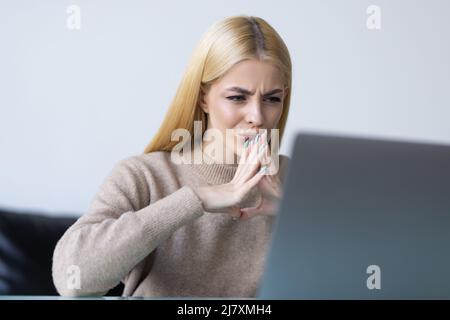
(362, 218)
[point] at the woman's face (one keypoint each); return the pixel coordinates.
(248, 98)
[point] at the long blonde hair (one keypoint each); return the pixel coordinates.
(224, 44)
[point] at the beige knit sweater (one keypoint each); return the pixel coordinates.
(146, 227)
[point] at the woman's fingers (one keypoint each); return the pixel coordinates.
(270, 188)
(265, 207)
(252, 182)
(265, 158)
(254, 159)
(249, 166)
(242, 165)
(250, 170)
(235, 212)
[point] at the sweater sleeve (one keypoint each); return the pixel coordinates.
(119, 230)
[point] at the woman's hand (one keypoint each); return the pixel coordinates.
(271, 190)
(227, 197)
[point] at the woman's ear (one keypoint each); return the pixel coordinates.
(202, 100)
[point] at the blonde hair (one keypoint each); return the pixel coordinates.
(224, 44)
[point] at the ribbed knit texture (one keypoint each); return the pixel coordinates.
(147, 228)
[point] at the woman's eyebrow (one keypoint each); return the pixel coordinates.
(245, 91)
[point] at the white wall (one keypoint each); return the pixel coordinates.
(73, 103)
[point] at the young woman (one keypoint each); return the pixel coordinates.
(194, 228)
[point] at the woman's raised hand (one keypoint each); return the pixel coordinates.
(227, 197)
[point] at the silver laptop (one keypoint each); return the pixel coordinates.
(362, 219)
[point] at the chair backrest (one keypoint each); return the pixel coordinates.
(27, 241)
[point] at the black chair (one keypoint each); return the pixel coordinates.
(27, 241)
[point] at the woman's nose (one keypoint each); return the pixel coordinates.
(254, 113)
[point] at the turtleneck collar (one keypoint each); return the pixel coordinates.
(213, 172)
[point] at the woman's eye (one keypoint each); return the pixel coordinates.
(274, 99)
(236, 98)
(242, 98)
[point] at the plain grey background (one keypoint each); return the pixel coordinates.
(75, 102)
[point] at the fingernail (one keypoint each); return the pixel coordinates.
(257, 138)
(263, 170)
(246, 143)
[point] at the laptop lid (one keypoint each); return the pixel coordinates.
(362, 218)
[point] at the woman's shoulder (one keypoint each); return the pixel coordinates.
(142, 169)
(142, 163)
(152, 161)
